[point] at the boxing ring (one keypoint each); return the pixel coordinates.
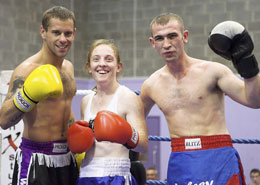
(11, 138)
(160, 138)
(168, 139)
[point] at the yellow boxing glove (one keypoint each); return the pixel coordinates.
(42, 83)
(79, 157)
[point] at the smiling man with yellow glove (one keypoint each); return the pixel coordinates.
(40, 94)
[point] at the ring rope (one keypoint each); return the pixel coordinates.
(156, 182)
(238, 141)
(246, 141)
(83, 92)
(160, 138)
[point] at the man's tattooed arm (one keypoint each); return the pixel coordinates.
(71, 121)
(9, 117)
(18, 83)
(16, 118)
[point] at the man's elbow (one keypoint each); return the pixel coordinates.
(4, 126)
(254, 105)
(145, 148)
(143, 145)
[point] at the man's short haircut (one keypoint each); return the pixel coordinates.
(255, 170)
(164, 18)
(152, 168)
(59, 12)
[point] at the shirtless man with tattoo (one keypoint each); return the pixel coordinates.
(40, 92)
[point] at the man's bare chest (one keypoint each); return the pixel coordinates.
(180, 96)
(69, 85)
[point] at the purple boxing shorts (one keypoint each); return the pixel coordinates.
(48, 163)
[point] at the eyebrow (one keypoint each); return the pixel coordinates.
(172, 33)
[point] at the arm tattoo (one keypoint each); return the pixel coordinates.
(18, 83)
(71, 121)
(16, 118)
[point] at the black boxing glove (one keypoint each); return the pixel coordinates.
(231, 40)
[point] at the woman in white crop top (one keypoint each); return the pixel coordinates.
(108, 162)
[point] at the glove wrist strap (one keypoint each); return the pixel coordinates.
(132, 143)
(247, 67)
(23, 102)
(91, 124)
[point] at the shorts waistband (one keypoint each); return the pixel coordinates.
(50, 147)
(102, 167)
(200, 143)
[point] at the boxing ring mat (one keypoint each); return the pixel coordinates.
(10, 138)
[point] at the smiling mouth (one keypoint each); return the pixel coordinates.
(102, 72)
(62, 47)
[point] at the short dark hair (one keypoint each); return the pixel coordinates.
(255, 170)
(59, 12)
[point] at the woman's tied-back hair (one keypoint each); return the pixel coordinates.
(97, 43)
(103, 42)
(165, 18)
(59, 12)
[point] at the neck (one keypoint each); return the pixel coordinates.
(47, 57)
(179, 68)
(107, 89)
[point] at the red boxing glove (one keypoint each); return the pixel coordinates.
(109, 126)
(80, 137)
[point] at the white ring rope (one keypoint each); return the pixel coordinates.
(83, 92)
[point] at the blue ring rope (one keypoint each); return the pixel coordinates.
(160, 138)
(238, 141)
(156, 182)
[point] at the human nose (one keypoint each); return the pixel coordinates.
(102, 62)
(166, 43)
(63, 38)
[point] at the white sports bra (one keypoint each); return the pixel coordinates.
(111, 107)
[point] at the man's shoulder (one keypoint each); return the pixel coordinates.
(155, 75)
(207, 62)
(68, 65)
(25, 68)
(209, 66)
(67, 62)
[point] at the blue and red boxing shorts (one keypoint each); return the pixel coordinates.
(210, 160)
